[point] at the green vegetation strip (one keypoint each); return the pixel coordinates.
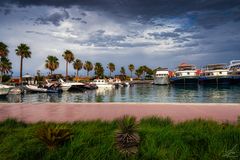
(159, 139)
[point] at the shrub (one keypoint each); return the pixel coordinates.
(127, 139)
(54, 136)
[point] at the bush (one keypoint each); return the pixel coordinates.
(127, 138)
(54, 136)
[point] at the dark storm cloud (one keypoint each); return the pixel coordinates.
(7, 11)
(77, 19)
(55, 18)
(136, 7)
(145, 11)
(164, 35)
(211, 19)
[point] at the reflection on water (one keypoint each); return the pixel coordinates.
(139, 93)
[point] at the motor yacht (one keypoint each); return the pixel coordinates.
(186, 74)
(215, 74)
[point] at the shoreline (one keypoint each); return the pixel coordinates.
(70, 112)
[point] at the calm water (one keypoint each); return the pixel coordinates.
(140, 93)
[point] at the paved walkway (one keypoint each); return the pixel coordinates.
(60, 112)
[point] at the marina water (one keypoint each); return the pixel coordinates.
(138, 93)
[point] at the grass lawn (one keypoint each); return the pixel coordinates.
(160, 139)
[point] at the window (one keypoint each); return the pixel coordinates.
(220, 72)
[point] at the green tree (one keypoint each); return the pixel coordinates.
(51, 63)
(88, 67)
(131, 68)
(99, 70)
(5, 66)
(148, 70)
(3, 50)
(24, 52)
(77, 65)
(139, 72)
(122, 71)
(69, 57)
(111, 67)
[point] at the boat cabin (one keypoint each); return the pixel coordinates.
(215, 70)
(99, 81)
(234, 67)
(162, 74)
(186, 70)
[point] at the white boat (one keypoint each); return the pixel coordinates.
(161, 77)
(234, 67)
(102, 83)
(32, 88)
(118, 83)
(186, 74)
(215, 74)
(66, 86)
(234, 71)
(4, 89)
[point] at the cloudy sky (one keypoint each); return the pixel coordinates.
(147, 32)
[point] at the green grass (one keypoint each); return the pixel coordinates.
(160, 139)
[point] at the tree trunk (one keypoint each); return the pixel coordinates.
(66, 70)
(51, 72)
(77, 73)
(1, 77)
(87, 73)
(21, 68)
(131, 74)
(110, 73)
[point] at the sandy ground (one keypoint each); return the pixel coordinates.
(60, 112)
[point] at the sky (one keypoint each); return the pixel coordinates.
(142, 32)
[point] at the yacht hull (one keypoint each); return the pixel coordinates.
(235, 79)
(184, 80)
(215, 80)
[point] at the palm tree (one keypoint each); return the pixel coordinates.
(77, 65)
(139, 72)
(3, 50)
(122, 71)
(99, 70)
(69, 57)
(24, 52)
(111, 67)
(51, 63)
(131, 68)
(88, 67)
(5, 66)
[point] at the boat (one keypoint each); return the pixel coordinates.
(89, 86)
(215, 74)
(161, 77)
(102, 83)
(4, 89)
(40, 89)
(75, 86)
(118, 83)
(234, 71)
(186, 74)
